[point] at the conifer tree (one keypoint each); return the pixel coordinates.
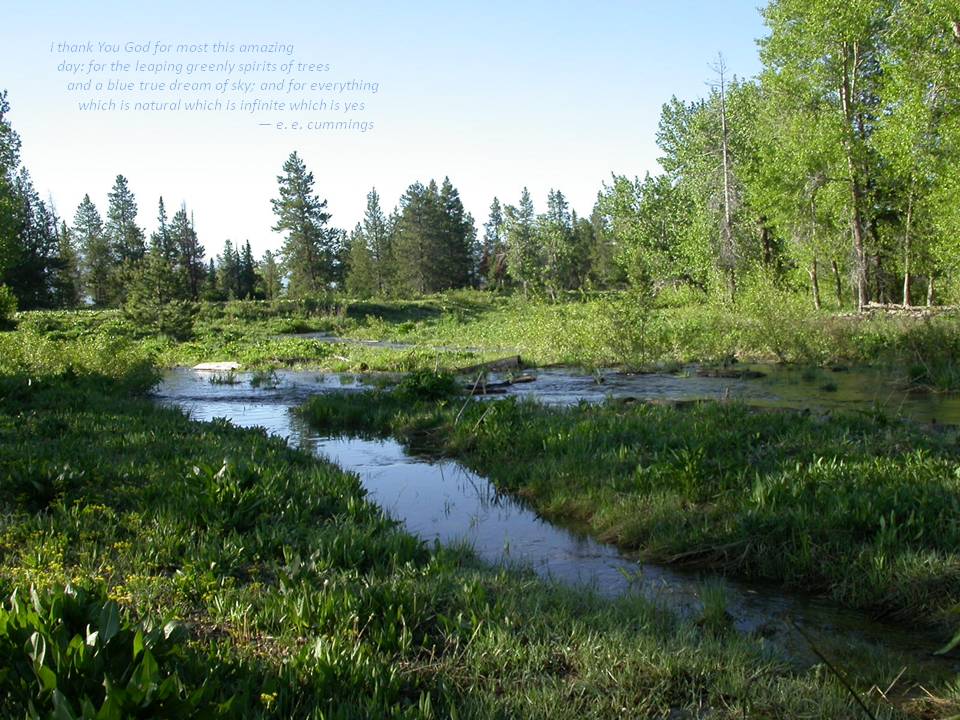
(308, 247)
(248, 272)
(493, 258)
(269, 276)
(362, 277)
(377, 238)
(125, 236)
(66, 283)
(190, 266)
(523, 254)
(97, 260)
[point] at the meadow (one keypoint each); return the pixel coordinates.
(155, 566)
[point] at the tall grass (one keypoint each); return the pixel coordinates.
(858, 509)
(156, 567)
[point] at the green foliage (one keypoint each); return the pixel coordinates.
(73, 654)
(858, 509)
(290, 593)
(8, 305)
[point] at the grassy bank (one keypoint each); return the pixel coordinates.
(154, 566)
(459, 329)
(858, 508)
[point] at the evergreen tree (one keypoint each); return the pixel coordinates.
(228, 272)
(153, 298)
(66, 282)
(270, 280)
(456, 233)
(125, 236)
(417, 241)
(211, 291)
(523, 255)
(97, 266)
(308, 248)
(378, 241)
(11, 215)
(190, 266)
(363, 279)
(554, 235)
(493, 256)
(30, 275)
(248, 273)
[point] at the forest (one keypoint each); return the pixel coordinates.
(833, 174)
(691, 452)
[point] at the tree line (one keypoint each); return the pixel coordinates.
(835, 171)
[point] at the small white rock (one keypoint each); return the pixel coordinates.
(217, 366)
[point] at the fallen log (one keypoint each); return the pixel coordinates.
(514, 362)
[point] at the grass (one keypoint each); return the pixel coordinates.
(857, 507)
(463, 328)
(155, 566)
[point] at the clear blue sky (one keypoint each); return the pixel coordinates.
(497, 95)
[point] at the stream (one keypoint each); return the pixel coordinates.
(440, 500)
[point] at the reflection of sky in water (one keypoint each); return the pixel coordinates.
(443, 501)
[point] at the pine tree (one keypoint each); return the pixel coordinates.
(190, 253)
(493, 258)
(269, 277)
(32, 269)
(65, 282)
(211, 284)
(153, 298)
(11, 216)
(228, 271)
(125, 236)
(456, 234)
(378, 240)
(554, 235)
(416, 245)
(523, 256)
(248, 272)
(308, 248)
(362, 276)
(97, 266)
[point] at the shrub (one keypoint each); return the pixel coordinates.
(8, 306)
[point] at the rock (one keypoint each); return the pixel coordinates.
(217, 366)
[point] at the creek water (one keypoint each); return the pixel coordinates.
(441, 500)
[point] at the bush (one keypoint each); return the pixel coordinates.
(8, 306)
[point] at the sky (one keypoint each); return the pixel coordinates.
(496, 95)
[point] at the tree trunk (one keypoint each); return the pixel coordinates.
(856, 191)
(839, 285)
(815, 283)
(930, 291)
(765, 240)
(906, 253)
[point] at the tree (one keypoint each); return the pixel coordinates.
(457, 235)
(270, 281)
(190, 266)
(125, 236)
(11, 218)
(493, 255)
(308, 252)
(66, 280)
(248, 272)
(97, 260)
(228, 271)
(523, 254)
(31, 270)
(363, 280)
(154, 297)
(377, 237)
(829, 52)
(416, 242)
(554, 235)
